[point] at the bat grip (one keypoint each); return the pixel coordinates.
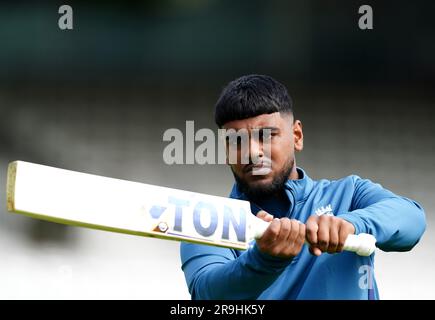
(362, 244)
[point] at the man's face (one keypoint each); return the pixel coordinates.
(285, 138)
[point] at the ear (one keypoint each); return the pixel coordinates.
(298, 135)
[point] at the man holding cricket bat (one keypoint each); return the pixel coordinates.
(321, 214)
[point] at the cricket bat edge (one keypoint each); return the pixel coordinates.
(149, 234)
(10, 185)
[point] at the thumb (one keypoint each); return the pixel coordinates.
(263, 215)
(315, 251)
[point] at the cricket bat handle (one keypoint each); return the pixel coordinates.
(362, 244)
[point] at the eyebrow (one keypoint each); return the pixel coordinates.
(270, 128)
(274, 129)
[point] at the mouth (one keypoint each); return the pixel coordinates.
(258, 169)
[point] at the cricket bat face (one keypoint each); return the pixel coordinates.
(87, 200)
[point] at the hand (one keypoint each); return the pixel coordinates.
(327, 233)
(283, 238)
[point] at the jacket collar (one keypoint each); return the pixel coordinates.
(300, 188)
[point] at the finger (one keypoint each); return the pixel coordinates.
(294, 232)
(271, 233)
(311, 229)
(285, 231)
(302, 233)
(333, 236)
(281, 245)
(342, 236)
(263, 215)
(315, 251)
(323, 233)
(296, 238)
(300, 241)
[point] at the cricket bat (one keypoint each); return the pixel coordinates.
(92, 201)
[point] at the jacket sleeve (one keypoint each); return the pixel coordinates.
(220, 273)
(396, 222)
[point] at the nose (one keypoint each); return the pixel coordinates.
(255, 150)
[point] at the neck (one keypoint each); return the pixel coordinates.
(294, 175)
(277, 204)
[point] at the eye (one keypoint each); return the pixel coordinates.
(265, 134)
(233, 141)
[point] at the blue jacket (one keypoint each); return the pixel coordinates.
(395, 221)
